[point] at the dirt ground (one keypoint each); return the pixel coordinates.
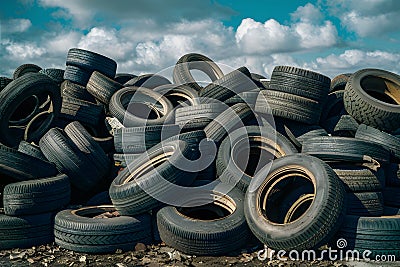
(153, 255)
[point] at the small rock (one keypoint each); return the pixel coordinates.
(82, 258)
(17, 256)
(118, 251)
(146, 260)
(30, 260)
(120, 265)
(175, 256)
(140, 247)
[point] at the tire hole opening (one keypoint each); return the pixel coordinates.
(287, 196)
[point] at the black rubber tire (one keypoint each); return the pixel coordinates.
(135, 140)
(102, 198)
(390, 142)
(149, 81)
(344, 125)
(333, 106)
(367, 109)
(15, 93)
(24, 69)
(210, 111)
(91, 61)
(77, 230)
(26, 231)
(393, 175)
(298, 132)
(229, 120)
(391, 196)
(179, 95)
(339, 82)
(74, 90)
(123, 77)
(320, 221)
(380, 235)
(365, 203)
(130, 193)
(300, 82)
(102, 87)
(81, 138)
(20, 167)
(206, 237)
(249, 98)
(4, 81)
(346, 145)
(31, 150)
(122, 98)
(182, 75)
(56, 75)
(357, 178)
(390, 211)
(79, 110)
(227, 86)
(195, 125)
(288, 106)
(84, 173)
(76, 75)
(259, 80)
(227, 163)
(36, 196)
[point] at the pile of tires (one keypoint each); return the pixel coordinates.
(98, 161)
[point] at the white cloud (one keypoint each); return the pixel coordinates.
(83, 12)
(23, 51)
(272, 37)
(353, 60)
(308, 13)
(106, 41)
(62, 42)
(15, 25)
(367, 18)
(269, 37)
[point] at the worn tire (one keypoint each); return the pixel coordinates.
(31, 150)
(20, 167)
(24, 69)
(346, 145)
(388, 141)
(26, 231)
(36, 196)
(122, 98)
(136, 140)
(234, 117)
(300, 82)
(15, 93)
(317, 225)
(383, 112)
(288, 106)
(130, 192)
(74, 90)
(91, 61)
(199, 236)
(182, 75)
(229, 158)
(76, 230)
(102, 87)
(227, 86)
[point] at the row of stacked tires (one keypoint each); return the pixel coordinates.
(99, 161)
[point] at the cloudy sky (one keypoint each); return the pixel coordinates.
(145, 36)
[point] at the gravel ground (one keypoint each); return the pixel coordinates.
(153, 255)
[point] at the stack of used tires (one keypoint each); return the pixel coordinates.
(296, 162)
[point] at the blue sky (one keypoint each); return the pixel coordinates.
(145, 36)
